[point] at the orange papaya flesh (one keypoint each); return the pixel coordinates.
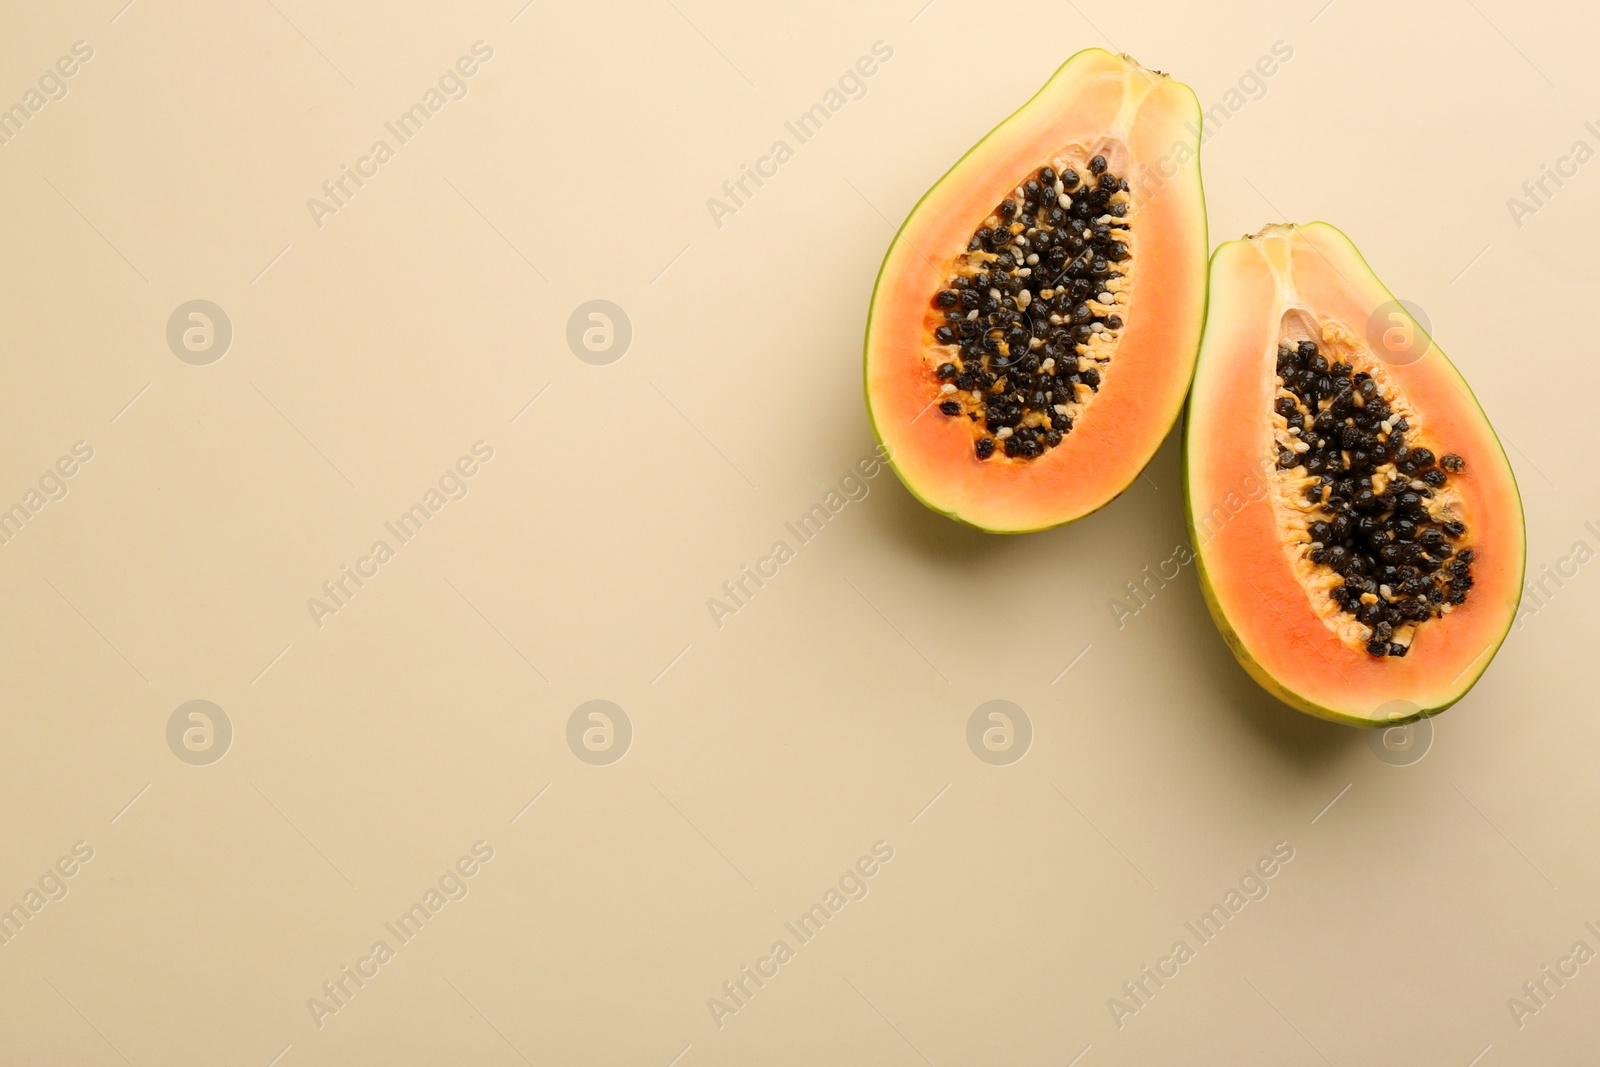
(1357, 526)
(1034, 325)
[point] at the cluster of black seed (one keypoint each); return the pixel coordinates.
(1397, 558)
(1005, 337)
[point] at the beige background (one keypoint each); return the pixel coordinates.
(830, 712)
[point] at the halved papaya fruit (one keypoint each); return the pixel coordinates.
(1357, 527)
(1034, 326)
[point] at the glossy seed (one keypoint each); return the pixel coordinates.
(1381, 528)
(1023, 305)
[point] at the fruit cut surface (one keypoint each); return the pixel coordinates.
(1034, 326)
(1358, 529)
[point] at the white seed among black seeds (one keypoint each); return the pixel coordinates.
(1017, 312)
(1385, 534)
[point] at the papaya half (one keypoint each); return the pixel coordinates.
(1034, 326)
(1358, 530)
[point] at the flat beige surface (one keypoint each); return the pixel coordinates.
(378, 741)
